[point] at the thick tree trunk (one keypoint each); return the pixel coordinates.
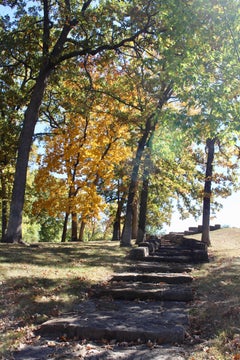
(207, 192)
(127, 229)
(117, 222)
(64, 232)
(135, 218)
(4, 204)
(143, 202)
(81, 230)
(150, 126)
(116, 230)
(14, 230)
(74, 236)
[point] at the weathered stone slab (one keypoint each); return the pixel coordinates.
(73, 350)
(142, 291)
(170, 278)
(150, 245)
(139, 253)
(122, 321)
(173, 250)
(156, 267)
(180, 259)
(195, 255)
(193, 258)
(190, 243)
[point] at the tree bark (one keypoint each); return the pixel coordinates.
(117, 222)
(64, 232)
(127, 229)
(81, 230)
(143, 201)
(150, 126)
(74, 236)
(210, 143)
(14, 230)
(116, 229)
(135, 218)
(4, 204)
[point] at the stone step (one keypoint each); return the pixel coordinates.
(179, 259)
(179, 240)
(163, 323)
(194, 255)
(156, 267)
(174, 258)
(170, 278)
(179, 249)
(144, 291)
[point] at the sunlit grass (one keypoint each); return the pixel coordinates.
(215, 313)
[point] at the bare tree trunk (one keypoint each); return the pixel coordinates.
(4, 204)
(127, 229)
(150, 126)
(117, 222)
(74, 236)
(14, 230)
(64, 232)
(81, 230)
(143, 201)
(135, 218)
(207, 192)
(116, 229)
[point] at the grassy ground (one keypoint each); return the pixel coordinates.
(37, 283)
(215, 313)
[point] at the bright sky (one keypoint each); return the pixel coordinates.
(228, 215)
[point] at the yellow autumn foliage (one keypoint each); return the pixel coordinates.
(77, 158)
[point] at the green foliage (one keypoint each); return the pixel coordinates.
(111, 63)
(50, 228)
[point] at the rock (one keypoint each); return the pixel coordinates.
(139, 253)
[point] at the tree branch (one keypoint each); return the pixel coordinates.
(46, 28)
(86, 4)
(97, 50)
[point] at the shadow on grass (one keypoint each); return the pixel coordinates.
(33, 300)
(216, 310)
(43, 281)
(62, 254)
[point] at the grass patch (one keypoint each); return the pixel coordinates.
(215, 313)
(37, 283)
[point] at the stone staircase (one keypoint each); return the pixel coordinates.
(147, 302)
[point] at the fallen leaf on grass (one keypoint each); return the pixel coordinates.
(51, 343)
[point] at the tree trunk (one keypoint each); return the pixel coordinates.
(74, 236)
(14, 230)
(127, 229)
(64, 232)
(135, 218)
(116, 229)
(207, 192)
(4, 204)
(150, 126)
(81, 230)
(143, 201)
(117, 222)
